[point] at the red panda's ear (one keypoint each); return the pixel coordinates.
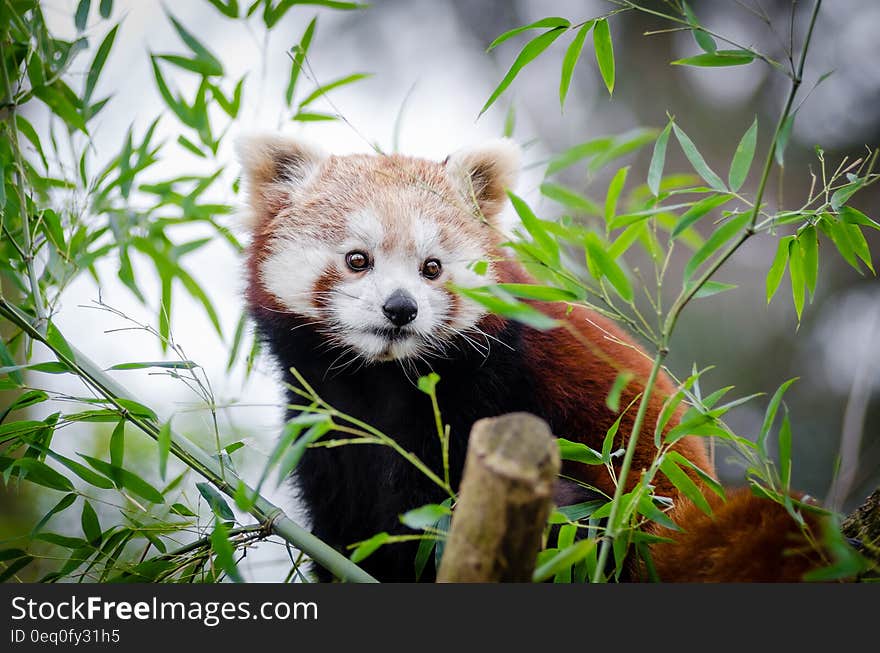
(483, 173)
(273, 168)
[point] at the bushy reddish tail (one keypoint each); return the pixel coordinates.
(746, 539)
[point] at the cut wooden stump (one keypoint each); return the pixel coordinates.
(504, 501)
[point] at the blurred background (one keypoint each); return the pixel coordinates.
(430, 77)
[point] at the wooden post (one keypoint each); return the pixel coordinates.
(504, 501)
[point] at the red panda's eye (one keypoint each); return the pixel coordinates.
(431, 268)
(357, 261)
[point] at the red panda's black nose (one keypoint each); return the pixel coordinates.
(401, 308)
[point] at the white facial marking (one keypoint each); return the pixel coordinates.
(291, 271)
(352, 309)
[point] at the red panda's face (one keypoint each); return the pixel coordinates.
(366, 248)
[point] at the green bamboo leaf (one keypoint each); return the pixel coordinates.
(106, 8)
(368, 547)
(604, 53)
(721, 235)
(82, 471)
(658, 160)
(614, 190)
(57, 342)
(326, 88)
(40, 473)
(782, 139)
(218, 503)
(709, 481)
(796, 274)
(770, 415)
(572, 54)
(608, 440)
(98, 63)
(537, 291)
(696, 159)
(717, 59)
(608, 267)
(224, 552)
(777, 268)
(850, 215)
(421, 518)
(563, 559)
(313, 116)
(164, 442)
(82, 14)
(697, 211)
(504, 304)
(533, 225)
(742, 159)
(785, 452)
(704, 40)
(300, 54)
(213, 65)
(685, 484)
(841, 239)
(66, 501)
(809, 246)
(620, 382)
(14, 567)
(544, 22)
(711, 288)
(295, 452)
(858, 242)
(842, 195)
(90, 524)
(569, 198)
(646, 507)
(623, 242)
(126, 479)
(578, 452)
(117, 444)
(167, 365)
(228, 9)
(531, 50)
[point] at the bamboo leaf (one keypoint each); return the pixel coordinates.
(608, 268)
(572, 54)
(90, 524)
(717, 59)
(704, 40)
(783, 138)
(544, 22)
(685, 484)
(742, 159)
(326, 88)
(117, 444)
(301, 52)
(696, 159)
(164, 442)
(697, 211)
(721, 235)
(777, 268)
(770, 415)
(658, 160)
(604, 53)
(569, 198)
(41, 474)
(614, 190)
(533, 225)
(809, 247)
(224, 551)
(421, 518)
(218, 503)
(531, 50)
(98, 63)
(620, 382)
(796, 275)
(785, 452)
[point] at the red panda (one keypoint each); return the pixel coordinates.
(348, 280)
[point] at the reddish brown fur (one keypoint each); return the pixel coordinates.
(745, 539)
(748, 539)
